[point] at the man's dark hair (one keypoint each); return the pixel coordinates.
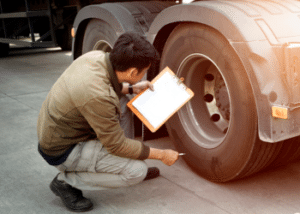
(132, 50)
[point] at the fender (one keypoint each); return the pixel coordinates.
(122, 17)
(259, 32)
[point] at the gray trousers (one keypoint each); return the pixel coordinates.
(90, 167)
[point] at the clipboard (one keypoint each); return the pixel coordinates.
(154, 108)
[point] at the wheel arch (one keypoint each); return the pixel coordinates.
(238, 23)
(101, 12)
(122, 17)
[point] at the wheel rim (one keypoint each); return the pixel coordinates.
(206, 118)
(102, 46)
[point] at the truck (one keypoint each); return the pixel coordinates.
(241, 58)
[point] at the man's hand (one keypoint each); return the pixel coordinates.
(138, 87)
(168, 156)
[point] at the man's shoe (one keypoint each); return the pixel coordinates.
(72, 197)
(153, 172)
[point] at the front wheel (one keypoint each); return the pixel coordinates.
(218, 128)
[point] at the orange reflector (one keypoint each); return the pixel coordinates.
(279, 112)
(73, 32)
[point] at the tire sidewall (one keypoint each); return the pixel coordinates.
(98, 30)
(228, 158)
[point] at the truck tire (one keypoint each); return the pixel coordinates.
(290, 152)
(218, 128)
(98, 36)
(4, 49)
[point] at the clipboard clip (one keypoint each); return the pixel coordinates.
(179, 81)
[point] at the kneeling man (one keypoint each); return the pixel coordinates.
(85, 129)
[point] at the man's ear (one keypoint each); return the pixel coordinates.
(133, 72)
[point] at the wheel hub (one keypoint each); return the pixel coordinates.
(206, 117)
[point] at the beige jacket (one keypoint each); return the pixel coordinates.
(82, 105)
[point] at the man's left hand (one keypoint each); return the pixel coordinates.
(138, 87)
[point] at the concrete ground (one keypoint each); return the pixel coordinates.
(26, 76)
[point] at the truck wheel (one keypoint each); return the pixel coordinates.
(218, 128)
(4, 49)
(98, 36)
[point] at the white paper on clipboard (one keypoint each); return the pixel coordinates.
(156, 106)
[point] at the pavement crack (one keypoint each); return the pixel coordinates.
(23, 103)
(18, 95)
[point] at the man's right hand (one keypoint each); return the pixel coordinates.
(168, 156)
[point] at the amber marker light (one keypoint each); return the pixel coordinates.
(73, 32)
(279, 112)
